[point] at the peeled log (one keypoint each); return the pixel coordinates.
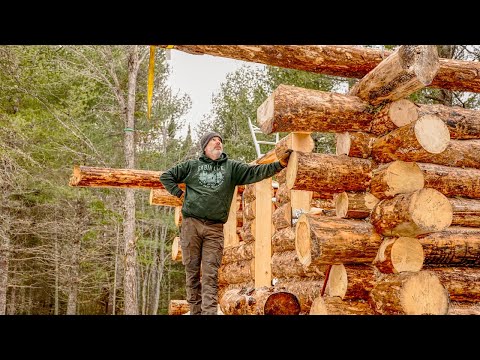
(463, 284)
(455, 246)
(305, 290)
(243, 251)
(466, 212)
(249, 211)
(419, 212)
(394, 115)
(396, 177)
(286, 264)
(247, 231)
(413, 142)
(90, 176)
(164, 198)
(400, 254)
(282, 217)
(282, 195)
(406, 70)
(350, 282)
(249, 193)
(330, 173)
(336, 306)
(354, 205)
(283, 240)
(463, 308)
(236, 272)
(339, 60)
(295, 109)
(354, 144)
(259, 301)
(176, 249)
(178, 307)
(452, 181)
(325, 241)
(462, 123)
(410, 293)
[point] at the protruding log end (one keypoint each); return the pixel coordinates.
(282, 303)
(292, 168)
(431, 210)
(432, 133)
(75, 178)
(303, 240)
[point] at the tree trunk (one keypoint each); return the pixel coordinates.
(394, 115)
(339, 60)
(419, 212)
(423, 139)
(4, 263)
(399, 254)
(286, 264)
(325, 241)
(336, 306)
(406, 70)
(463, 284)
(330, 173)
(455, 246)
(354, 205)
(178, 307)
(452, 181)
(305, 290)
(350, 282)
(354, 144)
(283, 240)
(163, 198)
(466, 212)
(295, 109)
(259, 301)
(396, 177)
(410, 293)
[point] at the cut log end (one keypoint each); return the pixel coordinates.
(404, 177)
(407, 254)
(431, 210)
(282, 303)
(337, 281)
(303, 241)
(424, 294)
(75, 178)
(265, 114)
(292, 170)
(426, 64)
(318, 307)
(403, 112)
(432, 133)
(341, 204)
(343, 143)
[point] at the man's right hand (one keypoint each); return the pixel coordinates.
(283, 158)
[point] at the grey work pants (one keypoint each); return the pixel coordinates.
(202, 245)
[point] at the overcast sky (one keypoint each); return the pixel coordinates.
(200, 76)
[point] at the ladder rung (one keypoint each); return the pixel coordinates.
(266, 142)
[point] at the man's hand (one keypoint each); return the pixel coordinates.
(284, 157)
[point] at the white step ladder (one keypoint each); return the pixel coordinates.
(256, 130)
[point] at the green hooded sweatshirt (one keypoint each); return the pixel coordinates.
(210, 184)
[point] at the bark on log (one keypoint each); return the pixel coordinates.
(176, 249)
(350, 282)
(295, 109)
(282, 217)
(222, 289)
(162, 197)
(355, 144)
(399, 254)
(241, 252)
(178, 307)
(452, 181)
(354, 205)
(267, 158)
(455, 246)
(462, 284)
(419, 212)
(249, 211)
(249, 193)
(396, 177)
(330, 173)
(89, 176)
(336, 306)
(247, 231)
(305, 290)
(282, 195)
(406, 70)
(325, 204)
(423, 139)
(283, 240)
(259, 301)
(325, 241)
(339, 60)
(466, 212)
(461, 308)
(462, 123)
(236, 272)
(410, 293)
(286, 264)
(281, 176)
(393, 115)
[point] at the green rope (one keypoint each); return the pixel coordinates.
(128, 129)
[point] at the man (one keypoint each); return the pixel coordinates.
(210, 183)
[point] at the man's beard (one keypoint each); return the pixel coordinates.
(216, 153)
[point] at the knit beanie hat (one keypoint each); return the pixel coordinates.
(207, 137)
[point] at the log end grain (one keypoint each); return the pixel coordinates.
(432, 133)
(282, 303)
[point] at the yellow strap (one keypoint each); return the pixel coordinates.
(170, 46)
(151, 68)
